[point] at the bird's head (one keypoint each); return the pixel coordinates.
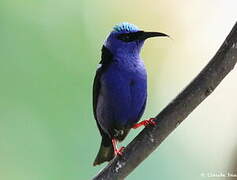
(128, 38)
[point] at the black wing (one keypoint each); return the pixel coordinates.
(106, 60)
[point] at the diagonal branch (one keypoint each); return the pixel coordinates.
(176, 111)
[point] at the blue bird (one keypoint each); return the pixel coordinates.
(120, 87)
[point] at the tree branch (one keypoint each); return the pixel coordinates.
(176, 111)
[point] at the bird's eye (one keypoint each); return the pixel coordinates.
(127, 37)
(124, 37)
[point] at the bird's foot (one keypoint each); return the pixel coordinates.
(119, 152)
(150, 121)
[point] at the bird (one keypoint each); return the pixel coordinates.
(120, 88)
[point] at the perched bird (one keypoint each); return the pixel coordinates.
(120, 87)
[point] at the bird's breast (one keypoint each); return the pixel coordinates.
(132, 65)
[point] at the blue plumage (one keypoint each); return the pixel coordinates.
(120, 86)
(125, 27)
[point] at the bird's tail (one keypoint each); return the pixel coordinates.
(106, 152)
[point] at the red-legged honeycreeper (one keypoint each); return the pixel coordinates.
(120, 87)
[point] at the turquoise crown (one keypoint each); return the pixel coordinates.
(125, 26)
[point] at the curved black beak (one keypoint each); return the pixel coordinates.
(145, 35)
(139, 35)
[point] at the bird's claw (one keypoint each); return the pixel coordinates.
(150, 121)
(119, 151)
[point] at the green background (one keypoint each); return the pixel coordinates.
(49, 52)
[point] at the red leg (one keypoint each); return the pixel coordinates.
(150, 121)
(116, 150)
